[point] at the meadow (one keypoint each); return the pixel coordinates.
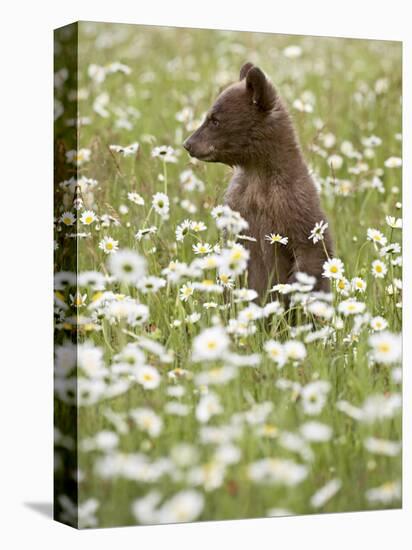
(195, 401)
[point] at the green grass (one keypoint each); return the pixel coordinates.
(176, 68)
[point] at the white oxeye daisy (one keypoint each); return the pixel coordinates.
(142, 233)
(385, 494)
(182, 230)
(343, 286)
(395, 223)
(275, 352)
(186, 291)
(379, 269)
(386, 347)
(226, 280)
(314, 396)
(148, 377)
(127, 151)
(317, 232)
(295, 350)
(150, 284)
(393, 162)
(78, 157)
(127, 266)
(136, 198)
(274, 238)
(160, 203)
(198, 226)
(202, 248)
(193, 318)
(378, 323)
(333, 268)
(376, 237)
(88, 217)
(67, 218)
(210, 344)
(234, 260)
(358, 284)
(282, 288)
(165, 153)
(321, 309)
(351, 307)
(392, 248)
(147, 420)
(335, 162)
(210, 262)
(109, 245)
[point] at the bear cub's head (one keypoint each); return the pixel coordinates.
(238, 122)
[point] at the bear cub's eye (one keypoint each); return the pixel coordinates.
(214, 121)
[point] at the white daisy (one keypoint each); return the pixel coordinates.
(148, 377)
(275, 352)
(202, 248)
(88, 217)
(127, 266)
(358, 284)
(274, 238)
(210, 344)
(395, 223)
(186, 291)
(160, 203)
(379, 269)
(79, 157)
(333, 268)
(127, 151)
(351, 307)
(386, 347)
(295, 350)
(165, 153)
(109, 245)
(67, 218)
(318, 231)
(376, 237)
(393, 162)
(136, 198)
(378, 323)
(182, 230)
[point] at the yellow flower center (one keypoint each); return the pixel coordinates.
(211, 344)
(237, 255)
(334, 269)
(384, 347)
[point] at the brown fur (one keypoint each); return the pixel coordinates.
(249, 128)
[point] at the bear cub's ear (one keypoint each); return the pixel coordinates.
(262, 91)
(244, 70)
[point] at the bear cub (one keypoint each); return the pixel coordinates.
(249, 128)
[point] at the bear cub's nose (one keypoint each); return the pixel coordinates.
(187, 145)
